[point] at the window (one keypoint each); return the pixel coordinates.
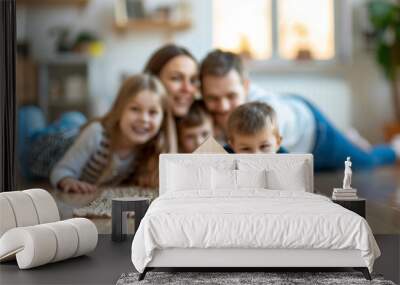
(245, 29)
(276, 29)
(306, 30)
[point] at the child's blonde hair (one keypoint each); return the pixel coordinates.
(145, 172)
(250, 118)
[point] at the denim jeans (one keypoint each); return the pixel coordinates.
(40, 146)
(332, 147)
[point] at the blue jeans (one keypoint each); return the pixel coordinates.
(332, 147)
(41, 146)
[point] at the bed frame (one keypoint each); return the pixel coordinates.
(242, 259)
(245, 259)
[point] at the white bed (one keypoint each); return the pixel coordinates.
(241, 210)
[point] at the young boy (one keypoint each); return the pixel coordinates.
(194, 128)
(253, 128)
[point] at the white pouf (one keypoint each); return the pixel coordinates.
(7, 218)
(31, 232)
(46, 207)
(87, 234)
(37, 245)
(23, 208)
(33, 246)
(66, 237)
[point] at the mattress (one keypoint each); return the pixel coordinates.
(250, 219)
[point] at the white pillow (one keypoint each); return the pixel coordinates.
(251, 178)
(295, 180)
(281, 173)
(224, 179)
(182, 178)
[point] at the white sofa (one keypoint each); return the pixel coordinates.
(31, 231)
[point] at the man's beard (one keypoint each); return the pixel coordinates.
(221, 120)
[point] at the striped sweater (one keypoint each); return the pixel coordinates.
(88, 158)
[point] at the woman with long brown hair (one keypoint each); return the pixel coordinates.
(177, 69)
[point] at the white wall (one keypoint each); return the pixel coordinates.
(126, 52)
(331, 94)
(354, 94)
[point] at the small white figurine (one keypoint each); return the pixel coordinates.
(347, 174)
(347, 192)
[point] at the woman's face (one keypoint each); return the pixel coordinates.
(180, 78)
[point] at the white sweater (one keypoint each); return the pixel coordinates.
(296, 121)
(86, 158)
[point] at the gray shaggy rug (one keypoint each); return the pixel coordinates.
(229, 278)
(101, 207)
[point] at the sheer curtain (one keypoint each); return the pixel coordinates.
(7, 95)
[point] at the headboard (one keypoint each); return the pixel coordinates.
(284, 164)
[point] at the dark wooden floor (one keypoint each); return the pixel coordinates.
(110, 260)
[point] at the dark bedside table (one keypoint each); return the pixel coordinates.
(356, 205)
(118, 216)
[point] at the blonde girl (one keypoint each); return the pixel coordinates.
(123, 144)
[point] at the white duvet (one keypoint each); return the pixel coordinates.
(254, 218)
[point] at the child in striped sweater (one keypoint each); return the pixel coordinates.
(123, 144)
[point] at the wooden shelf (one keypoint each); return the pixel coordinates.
(151, 25)
(42, 3)
(66, 58)
(64, 103)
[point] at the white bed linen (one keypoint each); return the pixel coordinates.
(252, 218)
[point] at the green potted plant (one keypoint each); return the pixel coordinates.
(384, 16)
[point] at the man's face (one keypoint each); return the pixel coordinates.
(222, 94)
